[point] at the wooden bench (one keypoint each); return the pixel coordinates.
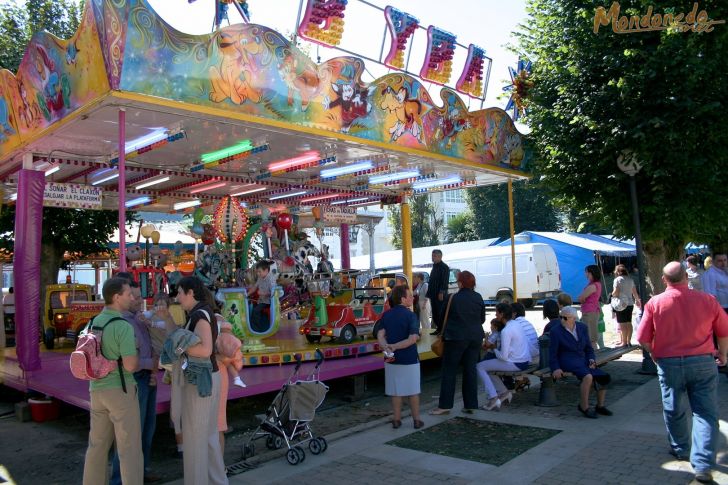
(547, 393)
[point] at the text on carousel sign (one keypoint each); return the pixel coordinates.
(72, 196)
(695, 21)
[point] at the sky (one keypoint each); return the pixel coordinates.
(485, 23)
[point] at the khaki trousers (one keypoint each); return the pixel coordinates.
(202, 457)
(114, 415)
(591, 320)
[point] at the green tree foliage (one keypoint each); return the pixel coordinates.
(64, 230)
(461, 228)
(18, 24)
(531, 207)
(426, 226)
(660, 95)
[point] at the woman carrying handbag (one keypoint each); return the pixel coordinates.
(462, 337)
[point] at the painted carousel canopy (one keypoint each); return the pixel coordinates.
(237, 112)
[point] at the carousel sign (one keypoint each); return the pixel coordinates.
(73, 196)
(344, 215)
(696, 21)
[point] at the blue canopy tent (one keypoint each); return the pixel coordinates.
(576, 251)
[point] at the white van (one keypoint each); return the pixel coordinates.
(537, 272)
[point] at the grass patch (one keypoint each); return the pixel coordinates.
(475, 440)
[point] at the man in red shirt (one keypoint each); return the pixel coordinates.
(677, 328)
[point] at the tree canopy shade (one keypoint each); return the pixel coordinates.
(532, 209)
(426, 226)
(461, 228)
(658, 95)
(74, 230)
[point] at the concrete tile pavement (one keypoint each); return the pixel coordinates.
(629, 447)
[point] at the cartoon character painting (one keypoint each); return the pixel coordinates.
(28, 111)
(303, 78)
(408, 113)
(72, 53)
(234, 78)
(353, 100)
(51, 94)
(6, 129)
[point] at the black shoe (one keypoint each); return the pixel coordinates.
(678, 455)
(603, 411)
(589, 413)
(704, 477)
(435, 333)
(396, 423)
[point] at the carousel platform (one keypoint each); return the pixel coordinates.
(264, 371)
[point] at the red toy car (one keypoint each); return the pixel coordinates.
(343, 322)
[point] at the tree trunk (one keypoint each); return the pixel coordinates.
(51, 260)
(657, 255)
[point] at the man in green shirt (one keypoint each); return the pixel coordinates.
(115, 413)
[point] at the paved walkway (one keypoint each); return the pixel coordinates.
(629, 447)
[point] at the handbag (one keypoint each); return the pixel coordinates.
(438, 346)
(601, 325)
(618, 304)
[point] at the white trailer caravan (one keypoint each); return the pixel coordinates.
(537, 272)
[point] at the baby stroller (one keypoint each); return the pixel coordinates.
(287, 418)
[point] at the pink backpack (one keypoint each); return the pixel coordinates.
(88, 362)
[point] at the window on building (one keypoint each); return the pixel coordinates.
(449, 215)
(457, 196)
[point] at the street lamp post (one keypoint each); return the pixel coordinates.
(628, 164)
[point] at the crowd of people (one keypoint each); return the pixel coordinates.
(199, 356)
(684, 329)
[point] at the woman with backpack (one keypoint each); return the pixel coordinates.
(203, 460)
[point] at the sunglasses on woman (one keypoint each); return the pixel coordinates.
(564, 317)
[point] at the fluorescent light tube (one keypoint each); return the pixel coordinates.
(349, 201)
(137, 201)
(158, 134)
(105, 179)
(208, 187)
(393, 177)
(321, 197)
(285, 196)
(152, 182)
(427, 184)
(52, 170)
(347, 169)
(242, 146)
(307, 157)
(251, 191)
(186, 205)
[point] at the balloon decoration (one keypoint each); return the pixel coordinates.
(197, 217)
(285, 222)
(208, 234)
(230, 220)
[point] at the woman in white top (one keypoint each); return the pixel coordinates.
(513, 355)
(625, 291)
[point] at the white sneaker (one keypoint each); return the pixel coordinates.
(239, 382)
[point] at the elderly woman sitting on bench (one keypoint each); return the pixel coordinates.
(571, 351)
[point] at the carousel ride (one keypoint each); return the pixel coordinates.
(242, 128)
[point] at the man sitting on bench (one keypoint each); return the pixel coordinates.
(571, 351)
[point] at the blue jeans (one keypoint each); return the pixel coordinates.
(692, 380)
(148, 412)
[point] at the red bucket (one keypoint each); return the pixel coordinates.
(44, 410)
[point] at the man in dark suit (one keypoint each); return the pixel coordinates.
(437, 289)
